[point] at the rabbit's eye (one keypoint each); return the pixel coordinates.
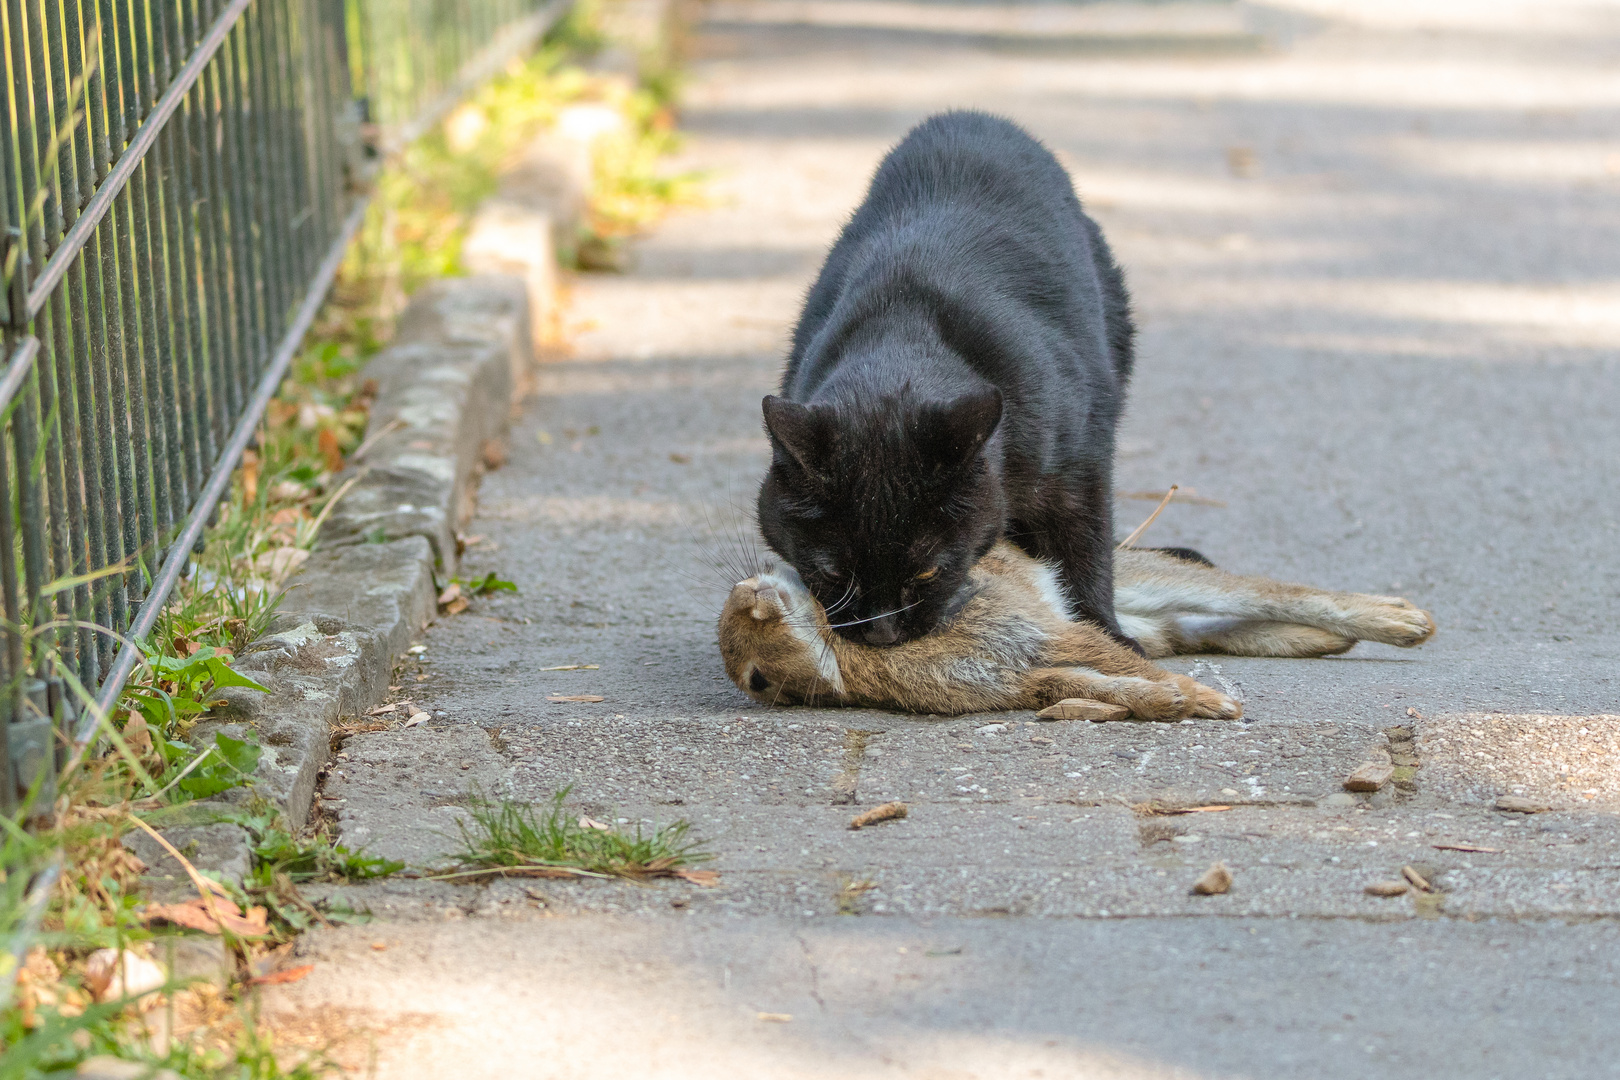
(757, 682)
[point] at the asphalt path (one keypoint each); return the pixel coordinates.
(1375, 254)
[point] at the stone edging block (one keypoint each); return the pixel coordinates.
(445, 390)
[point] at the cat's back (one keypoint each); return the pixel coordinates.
(967, 156)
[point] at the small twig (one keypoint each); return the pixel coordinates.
(196, 761)
(376, 436)
(197, 880)
(1142, 528)
(320, 518)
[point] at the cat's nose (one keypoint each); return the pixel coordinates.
(884, 631)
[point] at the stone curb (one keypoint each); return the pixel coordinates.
(446, 388)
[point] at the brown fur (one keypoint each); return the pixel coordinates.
(1012, 647)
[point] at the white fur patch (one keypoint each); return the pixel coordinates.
(800, 619)
(1202, 627)
(1156, 597)
(1050, 586)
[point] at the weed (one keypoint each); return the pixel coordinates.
(485, 585)
(518, 839)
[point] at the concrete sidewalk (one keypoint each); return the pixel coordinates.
(1375, 251)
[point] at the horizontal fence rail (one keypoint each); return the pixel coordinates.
(181, 178)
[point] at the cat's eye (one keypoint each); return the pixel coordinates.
(928, 573)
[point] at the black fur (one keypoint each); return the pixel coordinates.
(957, 375)
(1185, 555)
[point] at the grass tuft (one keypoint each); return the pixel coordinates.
(521, 840)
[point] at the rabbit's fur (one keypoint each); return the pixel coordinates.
(1012, 645)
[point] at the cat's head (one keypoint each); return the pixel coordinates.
(773, 644)
(883, 506)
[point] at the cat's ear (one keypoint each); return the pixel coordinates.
(795, 433)
(962, 427)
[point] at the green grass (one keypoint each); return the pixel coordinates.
(516, 839)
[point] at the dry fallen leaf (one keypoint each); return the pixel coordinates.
(276, 978)
(592, 823)
(1413, 713)
(194, 915)
(379, 710)
(1418, 881)
(573, 667)
(706, 878)
(1386, 888)
(417, 718)
(575, 697)
(889, 811)
(451, 592)
(456, 606)
(776, 1018)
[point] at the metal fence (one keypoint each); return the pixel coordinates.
(181, 178)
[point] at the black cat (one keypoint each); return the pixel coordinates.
(956, 376)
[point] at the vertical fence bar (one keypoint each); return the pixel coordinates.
(177, 196)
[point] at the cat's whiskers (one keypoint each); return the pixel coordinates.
(874, 618)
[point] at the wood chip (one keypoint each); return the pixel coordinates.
(1514, 804)
(575, 697)
(1216, 880)
(889, 811)
(1418, 881)
(1387, 888)
(1370, 776)
(1083, 709)
(1467, 847)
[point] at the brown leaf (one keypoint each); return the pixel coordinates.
(194, 915)
(889, 811)
(575, 697)
(592, 823)
(327, 442)
(379, 710)
(276, 978)
(706, 878)
(451, 591)
(138, 736)
(1386, 888)
(290, 515)
(1413, 713)
(456, 606)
